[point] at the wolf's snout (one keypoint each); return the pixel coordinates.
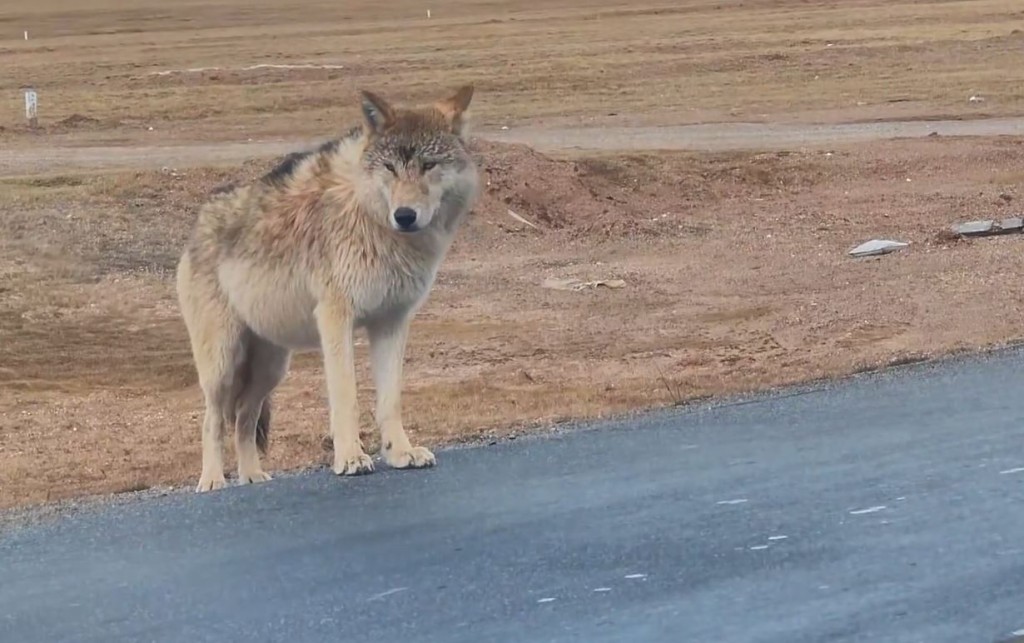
(405, 218)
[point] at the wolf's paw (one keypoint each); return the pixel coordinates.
(211, 482)
(414, 458)
(253, 476)
(353, 465)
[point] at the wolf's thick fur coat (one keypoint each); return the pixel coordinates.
(347, 236)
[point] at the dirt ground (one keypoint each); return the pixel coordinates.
(734, 266)
(735, 273)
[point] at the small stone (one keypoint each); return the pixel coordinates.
(1013, 224)
(877, 247)
(1006, 197)
(989, 228)
(577, 285)
(974, 228)
(976, 99)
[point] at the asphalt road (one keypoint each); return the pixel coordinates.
(888, 508)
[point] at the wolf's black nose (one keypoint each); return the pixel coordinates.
(405, 218)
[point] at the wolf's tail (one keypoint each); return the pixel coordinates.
(245, 377)
(263, 427)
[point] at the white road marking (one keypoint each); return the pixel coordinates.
(737, 501)
(635, 576)
(869, 510)
(377, 597)
(1015, 470)
(545, 600)
(777, 537)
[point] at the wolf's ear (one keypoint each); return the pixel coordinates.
(378, 114)
(454, 108)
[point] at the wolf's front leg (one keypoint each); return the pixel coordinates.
(387, 352)
(335, 324)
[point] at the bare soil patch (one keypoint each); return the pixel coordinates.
(736, 279)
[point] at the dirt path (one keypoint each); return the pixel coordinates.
(716, 137)
(704, 137)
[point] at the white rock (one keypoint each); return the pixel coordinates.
(974, 228)
(877, 247)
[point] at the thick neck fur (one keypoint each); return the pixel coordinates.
(332, 206)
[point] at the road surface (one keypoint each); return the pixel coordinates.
(700, 137)
(886, 508)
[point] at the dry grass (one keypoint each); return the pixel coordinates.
(571, 60)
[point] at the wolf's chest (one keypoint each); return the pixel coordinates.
(279, 301)
(392, 291)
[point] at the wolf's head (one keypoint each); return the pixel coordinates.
(418, 160)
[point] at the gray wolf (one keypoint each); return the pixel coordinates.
(344, 237)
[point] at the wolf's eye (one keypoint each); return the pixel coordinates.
(390, 168)
(429, 165)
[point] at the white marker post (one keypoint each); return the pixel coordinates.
(428, 13)
(26, 34)
(31, 107)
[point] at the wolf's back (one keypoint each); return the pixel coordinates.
(222, 221)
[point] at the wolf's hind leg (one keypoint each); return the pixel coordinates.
(265, 366)
(216, 336)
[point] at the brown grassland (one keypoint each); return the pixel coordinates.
(735, 267)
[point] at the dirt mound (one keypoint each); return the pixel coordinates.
(81, 122)
(78, 120)
(548, 192)
(576, 197)
(640, 194)
(582, 198)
